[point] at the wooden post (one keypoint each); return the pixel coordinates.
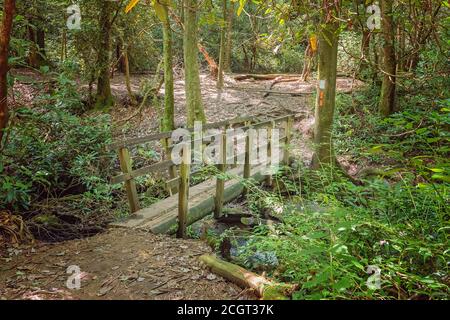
(183, 191)
(173, 168)
(247, 165)
(220, 183)
(130, 185)
(288, 133)
(269, 179)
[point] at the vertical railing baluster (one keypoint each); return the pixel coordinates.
(130, 184)
(183, 191)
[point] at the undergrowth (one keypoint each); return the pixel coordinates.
(386, 238)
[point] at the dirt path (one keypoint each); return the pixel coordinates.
(231, 103)
(118, 264)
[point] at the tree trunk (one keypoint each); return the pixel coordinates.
(64, 45)
(326, 95)
(222, 47)
(308, 59)
(126, 63)
(168, 122)
(120, 56)
(229, 38)
(9, 7)
(401, 66)
(194, 104)
(365, 51)
(388, 94)
(104, 98)
(36, 55)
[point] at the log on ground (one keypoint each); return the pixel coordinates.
(263, 287)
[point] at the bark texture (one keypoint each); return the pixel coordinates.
(9, 8)
(168, 122)
(104, 98)
(326, 94)
(194, 104)
(389, 66)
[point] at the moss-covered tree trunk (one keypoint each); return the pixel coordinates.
(326, 95)
(389, 65)
(64, 44)
(194, 104)
(104, 99)
(9, 7)
(222, 46)
(36, 54)
(229, 38)
(168, 122)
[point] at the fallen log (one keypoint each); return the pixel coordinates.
(276, 81)
(263, 287)
(292, 93)
(264, 76)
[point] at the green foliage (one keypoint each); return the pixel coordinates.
(398, 220)
(336, 230)
(52, 152)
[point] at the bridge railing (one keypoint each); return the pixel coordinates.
(179, 175)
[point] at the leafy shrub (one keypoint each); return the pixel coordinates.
(52, 152)
(333, 233)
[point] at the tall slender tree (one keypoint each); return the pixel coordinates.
(229, 37)
(389, 63)
(222, 46)
(9, 7)
(194, 104)
(104, 97)
(326, 92)
(168, 122)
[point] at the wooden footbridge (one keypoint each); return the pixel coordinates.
(189, 203)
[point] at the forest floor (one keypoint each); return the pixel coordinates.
(117, 264)
(131, 264)
(238, 99)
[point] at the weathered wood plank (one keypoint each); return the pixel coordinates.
(165, 135)
(220, 183)
(130, 185)
(288, 133)
(162, 216)
(142, 171)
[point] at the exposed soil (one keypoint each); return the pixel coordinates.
(247, 100)
(118, 264)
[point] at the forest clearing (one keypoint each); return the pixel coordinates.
(224, 150)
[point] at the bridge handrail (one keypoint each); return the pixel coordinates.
(180, 182)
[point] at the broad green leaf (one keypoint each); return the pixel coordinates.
(440, 177)
(343, 284)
